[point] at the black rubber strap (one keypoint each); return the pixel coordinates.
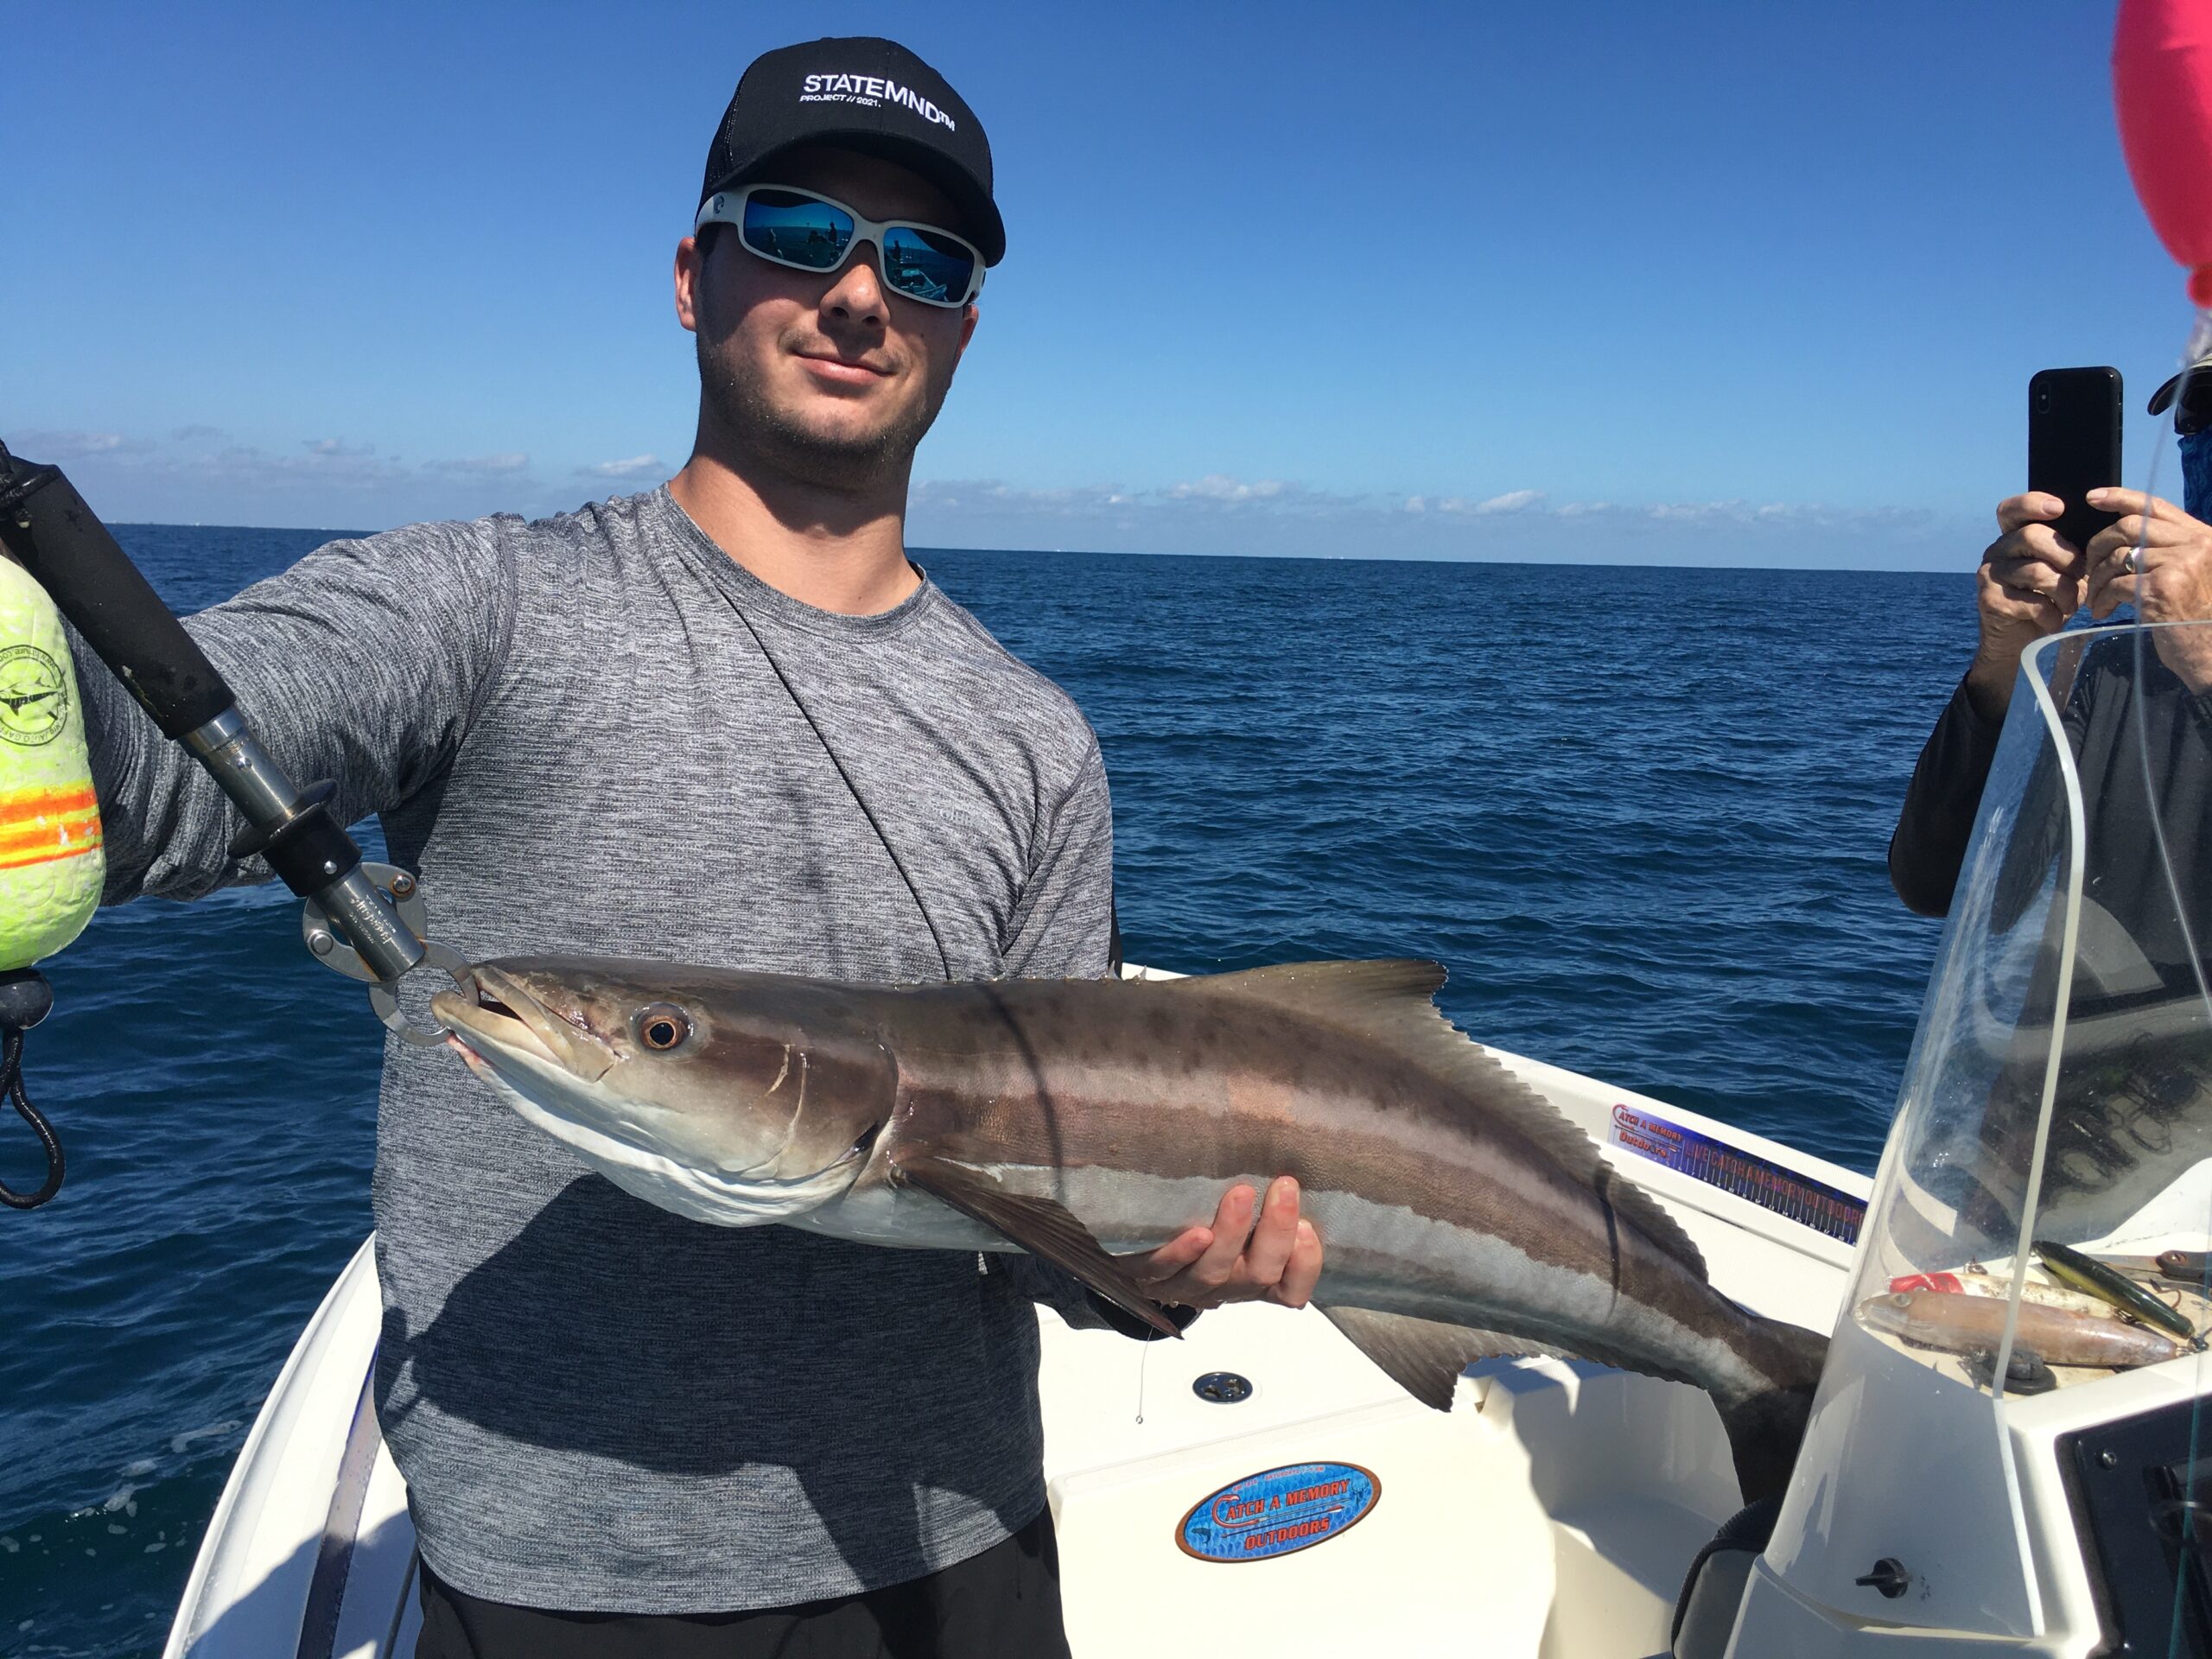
(11, 1088)
(48, 529)
(1750, 1528)
(1178, 1315)
(310, 850)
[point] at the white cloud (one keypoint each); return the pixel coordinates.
(1511, 501)
(1770, 515)
(48, 446)
(484, 466)
(1217, 487)
(327, 463)
(1218, 514)
(635, 467)
(240, 470)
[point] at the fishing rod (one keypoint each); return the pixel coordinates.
(366, 920)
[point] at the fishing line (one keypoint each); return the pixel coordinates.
(944, 957)
(2139, 632)
(1144, 1351)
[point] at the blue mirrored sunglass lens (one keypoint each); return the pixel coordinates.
(798, 230)
(926, 267)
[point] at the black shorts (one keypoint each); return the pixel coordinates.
(1003, 1603)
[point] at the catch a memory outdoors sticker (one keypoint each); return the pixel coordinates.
(1279, 1511)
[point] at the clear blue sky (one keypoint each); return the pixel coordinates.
(1711, 282)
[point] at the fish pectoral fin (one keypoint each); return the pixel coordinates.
(1043, 1227)
(1425, 1356)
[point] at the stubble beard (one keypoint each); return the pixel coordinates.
(850, 463)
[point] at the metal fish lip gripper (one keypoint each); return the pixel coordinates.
(366, 920)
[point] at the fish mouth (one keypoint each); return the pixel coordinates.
(505, 1020)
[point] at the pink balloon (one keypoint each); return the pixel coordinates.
(2162, 88)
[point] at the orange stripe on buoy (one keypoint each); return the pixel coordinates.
(25, 803)
(17, 860)
(11, 822)
(72, 833)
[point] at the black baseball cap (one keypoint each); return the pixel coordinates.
(2196, 411)
(865, 94)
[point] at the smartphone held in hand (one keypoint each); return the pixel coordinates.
(2073, 443)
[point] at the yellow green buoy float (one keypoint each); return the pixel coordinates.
(51, 865)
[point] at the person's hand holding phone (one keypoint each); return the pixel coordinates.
(2158, 559)
(2035, 574)
(2030, 580)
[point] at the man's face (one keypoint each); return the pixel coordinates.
(828, 375)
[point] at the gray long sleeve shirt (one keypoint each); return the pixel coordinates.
(599, 734)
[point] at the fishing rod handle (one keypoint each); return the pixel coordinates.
(48, 530)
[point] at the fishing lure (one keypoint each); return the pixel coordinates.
(1971, 1325)
(2093, 1278)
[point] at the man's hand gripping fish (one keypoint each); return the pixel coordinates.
(1083, 1120)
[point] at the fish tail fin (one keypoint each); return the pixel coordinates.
(1765, 1425)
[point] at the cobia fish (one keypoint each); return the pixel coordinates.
(1461, 1216)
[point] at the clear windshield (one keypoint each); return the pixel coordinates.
(2060, 1091)
(2040, 1224)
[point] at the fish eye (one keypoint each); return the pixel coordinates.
(663, 1026)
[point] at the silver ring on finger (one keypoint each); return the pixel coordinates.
(2133, 562)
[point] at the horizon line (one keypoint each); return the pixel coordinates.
(336, 533)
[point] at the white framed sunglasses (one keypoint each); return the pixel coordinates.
(787, 226)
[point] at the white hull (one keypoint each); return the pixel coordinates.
(1552, 1513)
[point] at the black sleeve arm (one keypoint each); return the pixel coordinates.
(1940, 804)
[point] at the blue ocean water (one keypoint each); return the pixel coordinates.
(1640, 813)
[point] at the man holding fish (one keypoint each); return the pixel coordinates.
(625, 1432)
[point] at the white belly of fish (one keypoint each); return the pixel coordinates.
(688, 1190)
(899, 1218)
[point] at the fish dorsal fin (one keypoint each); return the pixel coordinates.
(1393, 1003)
(1342, 993)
